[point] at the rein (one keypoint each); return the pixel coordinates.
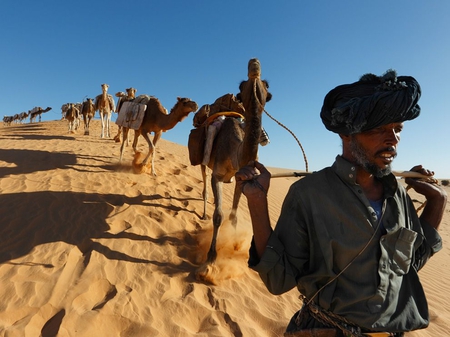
(282, 125)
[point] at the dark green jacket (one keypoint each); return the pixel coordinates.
(325, 222)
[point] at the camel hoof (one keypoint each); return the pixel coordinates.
(207, 273)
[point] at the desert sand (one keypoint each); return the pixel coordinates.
(91, 248)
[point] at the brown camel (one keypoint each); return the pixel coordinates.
(235, 146)
(37, 112)
(104, 103)
(157, 120)
(88, 112)
(72, 116)
(123, 97)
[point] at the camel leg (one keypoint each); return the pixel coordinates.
(119, 131)
(216, 184)
(236, 198)
(205, 191)
(125, 137)
(102, 116)
(210, 135)
(89, 123)
(156, 137)
(137, 133)
(86, 125)
(108, 119)
(151, 148)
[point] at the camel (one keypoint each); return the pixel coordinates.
(234, 146)
(104, 103)
(37, 111)
(157, 120)
(21, 117)
(72, 115)
(8, 119)
(88, 112)
(123, 97)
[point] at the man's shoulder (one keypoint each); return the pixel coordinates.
(317, 178)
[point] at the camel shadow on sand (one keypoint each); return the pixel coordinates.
(44, 217)
(29, 161)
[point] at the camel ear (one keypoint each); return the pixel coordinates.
(179, 99)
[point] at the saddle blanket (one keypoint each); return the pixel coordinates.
(35, 109)
(131, 115)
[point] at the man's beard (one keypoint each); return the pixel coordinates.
(360, 155)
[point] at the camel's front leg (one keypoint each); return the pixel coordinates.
(156, 137)
(236, 198)
(137, 133)
(151, 148)
(108, 122)
(124, 139)
(205, 191)
(86, 124)
(216, 184)
(102, 118)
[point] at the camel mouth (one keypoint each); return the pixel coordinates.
(254, 69)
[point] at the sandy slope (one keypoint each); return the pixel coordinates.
(89, 248)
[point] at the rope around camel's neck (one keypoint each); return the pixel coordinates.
(282, 125)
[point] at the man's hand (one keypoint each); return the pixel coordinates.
(435, 195)
(427, 187)
(253, 179)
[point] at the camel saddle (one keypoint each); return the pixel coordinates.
(131, 115)
(226, 105)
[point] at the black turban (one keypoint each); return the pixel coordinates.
(371, 102)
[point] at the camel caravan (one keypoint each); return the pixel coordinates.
(34, 113)
(226, 134)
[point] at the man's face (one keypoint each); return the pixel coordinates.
(375, 150)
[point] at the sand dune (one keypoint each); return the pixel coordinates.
(90, 248)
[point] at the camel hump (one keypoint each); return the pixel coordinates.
(144, 99)
(227, 102)
(226, 105)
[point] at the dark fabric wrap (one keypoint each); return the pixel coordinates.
(371, 102)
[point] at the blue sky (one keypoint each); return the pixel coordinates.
(54, 52)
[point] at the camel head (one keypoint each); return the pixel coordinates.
(131, 93)
(183, 107)
(254, 85)
(254, 68)
(105, 87)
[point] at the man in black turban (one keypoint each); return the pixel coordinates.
(348, 236)
(371, 102)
